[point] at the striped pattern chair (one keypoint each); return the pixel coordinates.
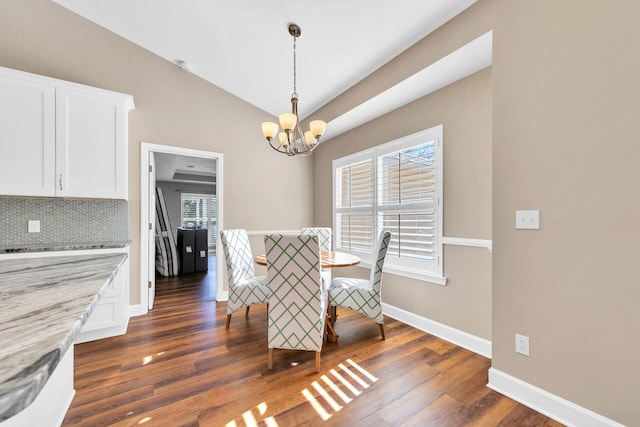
(245, 288)
(363, 295)
(298, 302)
(324, 239)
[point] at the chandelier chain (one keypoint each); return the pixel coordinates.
(295, 92)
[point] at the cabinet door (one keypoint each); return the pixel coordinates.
(110, 317)
(90, 145)
(27, 132)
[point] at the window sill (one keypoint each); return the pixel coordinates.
(410, 273)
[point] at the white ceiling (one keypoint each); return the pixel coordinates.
(244, 47)
(177, 168)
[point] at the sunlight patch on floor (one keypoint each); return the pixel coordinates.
(250, 420)
(329, 394)
(361, 383)
(149, 358)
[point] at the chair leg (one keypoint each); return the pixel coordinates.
(228, 321)
(334, 314)
(246, 313)
(270, 359)
(382, 330)
(317, 362)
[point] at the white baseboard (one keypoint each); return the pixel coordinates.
(137, 310)
(546, 403)
(98, 334)
(463, 339)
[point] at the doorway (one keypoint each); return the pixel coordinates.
(154, 159)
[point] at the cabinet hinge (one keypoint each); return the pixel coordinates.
(149, 285)
(150, 168)
(150, 226)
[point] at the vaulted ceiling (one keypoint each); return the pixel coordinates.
(244, 46)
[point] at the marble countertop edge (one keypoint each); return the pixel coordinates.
(20, 390)
(52, 247)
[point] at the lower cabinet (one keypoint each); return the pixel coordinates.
(110, 317)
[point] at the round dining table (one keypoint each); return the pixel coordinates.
(328, 259)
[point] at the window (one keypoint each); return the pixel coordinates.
(397, 187)
(200, 211)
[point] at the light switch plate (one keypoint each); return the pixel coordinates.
(33, 226)
(528, 220)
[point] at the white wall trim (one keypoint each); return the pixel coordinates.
(463, 339)
(561, 410)
(137, 310)
(262, 233)
(412, 273)
(463, 241)
(145, 149)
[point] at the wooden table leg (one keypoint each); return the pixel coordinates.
(331, 333)
(331, 318)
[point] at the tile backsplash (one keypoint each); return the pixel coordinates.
(62, 221)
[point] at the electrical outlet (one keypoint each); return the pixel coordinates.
(528, 220)
(522, 344)
(33, 226)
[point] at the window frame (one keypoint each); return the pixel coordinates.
(210, 217)
(407, 267)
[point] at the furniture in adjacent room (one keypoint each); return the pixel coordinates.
(193, 250)
(245, 288)
(166, 258)
(202, 250)
(186, 246)
(298, 301)
(363, 295)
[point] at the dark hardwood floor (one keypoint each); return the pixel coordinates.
(178, 366)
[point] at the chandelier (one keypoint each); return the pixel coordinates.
(292, 141)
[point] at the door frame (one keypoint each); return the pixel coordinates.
(145, 149)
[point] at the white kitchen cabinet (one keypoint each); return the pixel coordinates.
(110, 317)
(61, 139)
(27, 137)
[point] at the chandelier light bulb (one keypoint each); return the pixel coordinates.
(288, 121)
(309, 138)
(317, 128)
(269, 129)
(284, 140)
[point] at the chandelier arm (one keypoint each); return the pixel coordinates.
(279, 148)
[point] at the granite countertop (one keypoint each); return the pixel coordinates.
(49, 247)
(44, 303)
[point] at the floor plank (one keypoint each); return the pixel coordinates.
(178, 366)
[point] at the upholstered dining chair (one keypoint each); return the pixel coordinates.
(324, 239)
(363, 295)
(245, 288)
(298, 302)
